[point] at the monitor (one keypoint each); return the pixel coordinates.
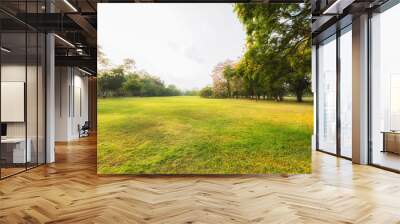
(3, 129)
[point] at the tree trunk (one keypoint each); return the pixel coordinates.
(299, 97)
(229, 89)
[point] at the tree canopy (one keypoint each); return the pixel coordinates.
(278, 56)
(277, 60)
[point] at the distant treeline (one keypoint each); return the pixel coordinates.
(122, 80)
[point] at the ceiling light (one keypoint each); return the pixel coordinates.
(79, 51)
(86, 72)
(333, 6)
(337, 7)
(5, 50)
(64, 40)
(70, 5)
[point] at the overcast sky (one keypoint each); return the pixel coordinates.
(180, 43)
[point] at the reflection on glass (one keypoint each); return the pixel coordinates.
(14, 153)
(385, 93)
(327, 96)
(22, 91)
(346, 93)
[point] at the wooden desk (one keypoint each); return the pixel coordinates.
(391, 141)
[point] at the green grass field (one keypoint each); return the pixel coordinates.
(193, 135)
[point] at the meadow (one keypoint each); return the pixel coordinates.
(193, 135)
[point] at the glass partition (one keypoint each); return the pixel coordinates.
(346, 92)
(32, 96)
(41, 97)
(23, 89)
(327, 95)
(385, 89)
(14, 153)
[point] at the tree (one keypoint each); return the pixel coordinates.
(103, 62)
(220, 83)
(151, 86)
(206, 92)
(110, 82)
(129, 65)
(237, 86)
(171, 90)
(300, 79)
(132, 85)
(278, 45)
(228, 74)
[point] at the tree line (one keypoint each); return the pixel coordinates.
(277, 60)
(124, 80)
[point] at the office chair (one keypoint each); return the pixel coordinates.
(84, 130)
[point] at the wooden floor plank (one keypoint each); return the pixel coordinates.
(70, 191)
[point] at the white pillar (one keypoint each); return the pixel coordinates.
(314, 91)
(360, 89)
(50, 99)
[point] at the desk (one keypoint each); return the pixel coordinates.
(391, 141)
(17, 152)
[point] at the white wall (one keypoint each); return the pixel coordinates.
(80, 108)
(16, 73)
(71, 94)
(62, 82)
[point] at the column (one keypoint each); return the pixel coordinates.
(360, 90)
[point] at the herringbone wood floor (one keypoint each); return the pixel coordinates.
(69, 191)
